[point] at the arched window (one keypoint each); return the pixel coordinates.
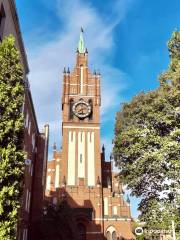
(82, 231)
(108, 236)
(111, 233)
(114, 236)
(91, 104)
(71, 115)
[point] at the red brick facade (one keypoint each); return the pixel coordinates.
(79, 172)
(35, 143)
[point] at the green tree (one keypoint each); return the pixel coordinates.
(147, 143)
(11, 137)
(59, 223)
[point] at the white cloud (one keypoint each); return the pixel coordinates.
(48, 59)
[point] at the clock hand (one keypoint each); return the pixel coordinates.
(80, 110)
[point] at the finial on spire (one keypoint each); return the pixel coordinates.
(103, 148)
(81, 45)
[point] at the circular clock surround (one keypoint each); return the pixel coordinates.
(81, 109)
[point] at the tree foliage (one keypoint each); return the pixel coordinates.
(59, 223)
(11, 137)
(147, 141)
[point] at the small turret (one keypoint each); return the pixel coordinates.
(103, 149)
(103, 153)
(64, 71)
(68, 71)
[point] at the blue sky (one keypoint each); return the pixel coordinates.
(126, 40)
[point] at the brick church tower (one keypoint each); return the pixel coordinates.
(79, 171)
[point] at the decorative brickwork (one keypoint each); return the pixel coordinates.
(79, 172)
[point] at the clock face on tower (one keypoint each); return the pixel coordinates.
(81, 109)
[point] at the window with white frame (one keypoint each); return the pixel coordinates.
(31, 170)
(33, 141)
(25, 231)
(27, 196)
(29, 128)
(115, 210)
(27, 120)
(28, 200)
(23, 107)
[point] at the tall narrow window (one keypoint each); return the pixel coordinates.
(81, 79)
(2, 21)
(108, 236)
(115, 212)
(29, 202)
(114, 236)
(71, 115)
(27, 120)
(29, 127)
(81, 158)
(27, 195)
(25, 234)
(91, 104)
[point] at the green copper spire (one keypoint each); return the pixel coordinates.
(81, 46)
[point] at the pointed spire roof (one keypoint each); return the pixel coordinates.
(103, 148)
(81, 45)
